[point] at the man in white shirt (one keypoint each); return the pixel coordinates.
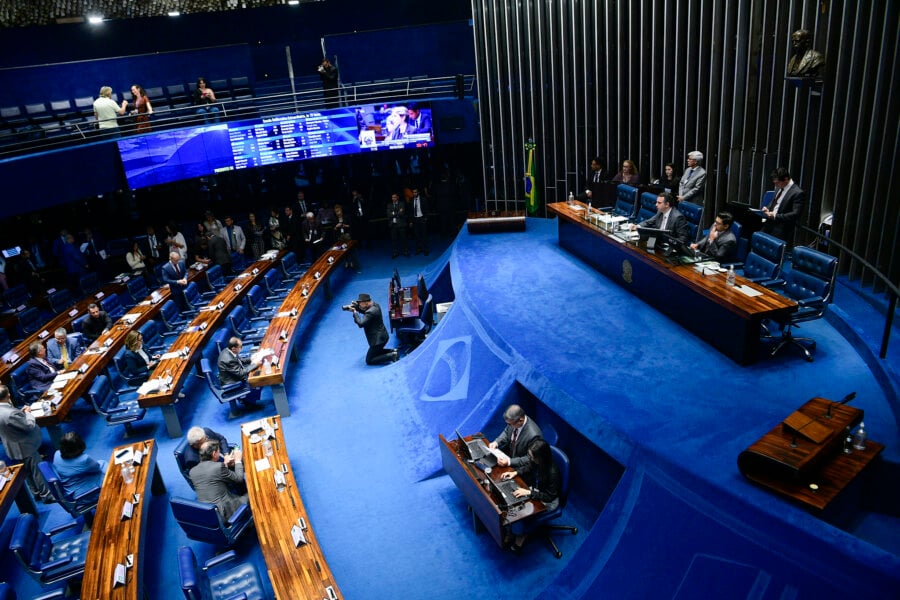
(106, 111)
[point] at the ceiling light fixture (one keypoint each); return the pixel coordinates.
(174, 13)
(95, 19)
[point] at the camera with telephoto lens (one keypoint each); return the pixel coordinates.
(352, 306)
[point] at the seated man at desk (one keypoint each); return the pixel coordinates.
(515, 438)
(196, 437)
(213, 480)
(544, 484)
(720, 243)
(39, 370)
(233, 368)
(668, 218)
(97, 323)
(78, 472)
(62, 350)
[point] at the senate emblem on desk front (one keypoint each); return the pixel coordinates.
(626, 270)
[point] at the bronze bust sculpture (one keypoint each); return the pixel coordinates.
(804, 62)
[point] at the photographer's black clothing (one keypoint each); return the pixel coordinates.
(376, 334)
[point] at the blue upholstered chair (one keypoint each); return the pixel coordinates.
(193, 297)
(215, 281)
(421, 287)
(153, 340)
(203, 522)
(112, 305)
(30, 321)
(545, 521)
(290, 268)
(416, 331)
(257, 304)
(5, 343)
(16, 296)
(274, 288)
(694, 215)
(229, 394)
(179, 451)
(119, 409)
(763, 263)
(22, 387)
(6, 592)
(626, 202)
(222, 578)
(648, 206)
(82, 505)
(60, 300)
(172, 319)
(810, 282)
(89, 284)
(51, 557)
(137, 289)
(242, 326)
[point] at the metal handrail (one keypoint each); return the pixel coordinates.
(166, 117)
(888, 284)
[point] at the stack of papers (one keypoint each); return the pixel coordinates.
(130, 318)
(149, 386)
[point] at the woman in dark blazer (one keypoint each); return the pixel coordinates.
(137, 364)
(545, 484)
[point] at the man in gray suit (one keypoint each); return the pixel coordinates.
(515, 438)
(233, 368)
(693, 181)
(21, 438)
(212, 479)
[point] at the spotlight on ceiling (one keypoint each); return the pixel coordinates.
(174, 13)
(95, 19)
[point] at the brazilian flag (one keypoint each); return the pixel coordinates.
(531, 188)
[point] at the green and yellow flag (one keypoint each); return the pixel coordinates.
(531, 188)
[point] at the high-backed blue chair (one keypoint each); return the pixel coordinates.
(193, 297)
(137, 289)
(89, 284)
(242, 326)
(215, 281)
(274, 288)
(229, 394)
(764, 261)
(5, 343)
(218, 580)
(179, 451)
(648, 206)
(82, 505)
(30, 321)
(153, 341)
(810, 282)
(22, 387)
(545, 521)
(51, 557)
(119, 409)
(60, 300)
(203, 522)
(289, 266)
(172, 319)
(16, 296)
(418, 329)
(626, 201)
(112, 305)
(258, 305)
(6, 592)
(694, 215)
(78, 324)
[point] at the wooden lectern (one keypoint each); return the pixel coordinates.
(803, 458)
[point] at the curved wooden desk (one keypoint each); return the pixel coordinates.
(176, 368)
(295, 571)
(112, 538)
(15, 490)
(18, 356)
(280, 336)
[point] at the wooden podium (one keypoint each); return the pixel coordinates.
(803, 457)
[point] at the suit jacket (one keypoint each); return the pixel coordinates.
(529, 432)
(134, 365)
(789, 212)
(691, 189)
(239, 239)
(94, 328)
(211, 482)
(423, 205)
(40, 376)
(722, 248)
(19, 432)
(191, 457)
(396, 214)
(171, 277)
(372, 323)
(593, 187)
(677, 224)
(421, 124)
(232, 368)
(54, 352)
(310, 231)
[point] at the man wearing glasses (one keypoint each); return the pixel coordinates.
(720, 243)
(515, 438)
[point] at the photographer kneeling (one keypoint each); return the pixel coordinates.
(367, 315)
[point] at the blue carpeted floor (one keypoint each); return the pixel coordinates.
(530, 323)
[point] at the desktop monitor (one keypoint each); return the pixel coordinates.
(462, 448)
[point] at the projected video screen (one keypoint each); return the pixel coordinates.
(190, 152)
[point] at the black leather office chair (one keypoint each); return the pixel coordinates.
(810, 282)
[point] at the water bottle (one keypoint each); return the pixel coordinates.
(587, 215)
(571, 199)
(267, 447)
(729, 278)
(848, 445)
(859, 438)
(267, 367)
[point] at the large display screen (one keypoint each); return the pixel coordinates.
(166, 156)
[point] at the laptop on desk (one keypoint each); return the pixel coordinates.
(478, 451)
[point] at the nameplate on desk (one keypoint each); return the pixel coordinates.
(135, 499)
(284, 335)
(274, 361)
(107, 343)
(285, 313)
(203, 326)
(119, 575)
(43, 334)
(83, 369)
(123, 455)
(99, 295)
(255, 270)
(10, 357)
(298, 536)
(279, 478)
(330, 260)
(261, 464)
(331, 593)
(317, 275)
(73, 312)
(238, 287)
(302, 522)
(3, 481)
(20, 308)
(138, 457)
(127, 510)
(220, 305)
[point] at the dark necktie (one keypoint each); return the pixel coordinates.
(512, 443)
(597, 177)
(776, 200)
(177, 271)
(690, 173)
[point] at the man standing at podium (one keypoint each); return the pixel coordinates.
(515, 438)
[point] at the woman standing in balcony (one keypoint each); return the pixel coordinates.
(142, 109)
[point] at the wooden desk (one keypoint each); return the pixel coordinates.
(409, 308)
(112, 538)
(721, 315)
(280, 336)
(18, 356)
(803, 457)
(15, 490)
(195, 336)
(295, 571)
(96, 358)
(494, 519)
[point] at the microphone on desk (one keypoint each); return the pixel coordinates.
(844, 400)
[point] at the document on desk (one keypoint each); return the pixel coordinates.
(747, 290)
(66, 376)
(261, 464)
(168, 355)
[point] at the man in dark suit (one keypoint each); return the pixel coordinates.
(233, 368)
(515, 438)
(367, 316)
(418, 211)
(785, 210)
(174, 273)
(290, 229)
(668, 218)
(693, 182)
(213, 480)
(21, 439)
(28, 273)
(592, 187)
(38, 369)
(419, 120)
(97, 323)
(359, 216)
(720, 243)
(62, 350)
(313, 238)
(396, 214)
(196, 437)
